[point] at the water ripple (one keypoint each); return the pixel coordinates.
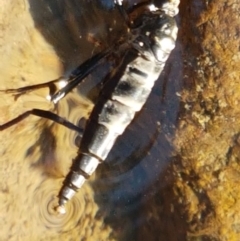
(47, 197)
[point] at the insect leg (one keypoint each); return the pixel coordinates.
(44, 114)
(23, 90)
(74, 79)
(79, 74)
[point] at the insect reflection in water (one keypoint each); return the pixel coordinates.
(151, 38)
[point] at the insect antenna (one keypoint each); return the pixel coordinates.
(123, 12)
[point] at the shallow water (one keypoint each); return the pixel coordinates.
(53, 39)
(138, 193)
(37, 153)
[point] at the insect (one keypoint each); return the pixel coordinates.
(151, 38)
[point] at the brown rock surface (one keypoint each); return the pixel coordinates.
(207, 139)
(201, 200)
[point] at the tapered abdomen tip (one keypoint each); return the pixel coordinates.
(60, 209)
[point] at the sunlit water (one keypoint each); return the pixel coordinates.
(54, 38)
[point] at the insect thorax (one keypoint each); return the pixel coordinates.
(155, 36)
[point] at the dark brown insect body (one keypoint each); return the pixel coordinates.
(151, 42)
(151, 39)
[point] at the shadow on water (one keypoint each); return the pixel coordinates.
(76, 30)
(136, 172)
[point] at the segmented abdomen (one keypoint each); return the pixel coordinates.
(128, 97)
(152, 43)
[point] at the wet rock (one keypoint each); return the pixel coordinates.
(201, 201)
